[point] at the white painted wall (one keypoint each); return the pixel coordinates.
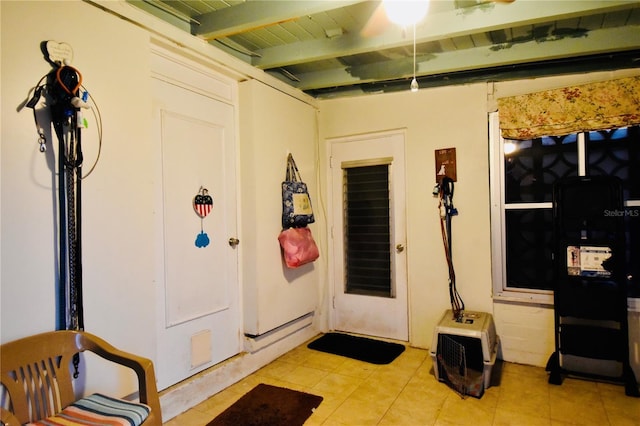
(272, 125)
(432, 121)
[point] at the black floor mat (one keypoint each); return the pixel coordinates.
(360, 348)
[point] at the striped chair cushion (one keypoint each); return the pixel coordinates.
(96, 410)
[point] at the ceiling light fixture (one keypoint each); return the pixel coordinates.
(406, 12)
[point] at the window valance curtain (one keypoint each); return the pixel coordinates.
(594, 106)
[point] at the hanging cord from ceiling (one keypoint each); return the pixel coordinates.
(447, 211)
(414, 82)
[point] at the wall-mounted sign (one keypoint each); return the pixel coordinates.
(446, 164)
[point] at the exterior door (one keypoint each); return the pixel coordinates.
(369, 235)
(197, 286)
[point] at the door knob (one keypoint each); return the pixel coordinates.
(233, 242)
(399, 248)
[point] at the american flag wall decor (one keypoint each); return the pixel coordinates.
(203, 203)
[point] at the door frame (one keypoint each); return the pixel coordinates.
(332, 232)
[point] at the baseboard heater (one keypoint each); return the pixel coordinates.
(254, 342)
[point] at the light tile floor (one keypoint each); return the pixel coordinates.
(406, 392)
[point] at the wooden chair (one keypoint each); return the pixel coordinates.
(36, 377)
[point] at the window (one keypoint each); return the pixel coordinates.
(522, 176)
(367, 230)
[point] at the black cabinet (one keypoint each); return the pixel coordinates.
(590, 280)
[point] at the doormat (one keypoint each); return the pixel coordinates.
(360, 348)
(267, 405)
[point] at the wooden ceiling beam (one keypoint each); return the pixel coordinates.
(252, 15)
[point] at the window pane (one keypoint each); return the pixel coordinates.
(534, 165)
(367, 231)
(529, 248)
(616, 152)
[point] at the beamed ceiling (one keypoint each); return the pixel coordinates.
(331, 48)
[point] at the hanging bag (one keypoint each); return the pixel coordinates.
(296, 204)
(298, 247)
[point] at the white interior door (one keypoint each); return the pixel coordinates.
(197, 292)
(369, 259)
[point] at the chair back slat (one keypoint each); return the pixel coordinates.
(35, 388)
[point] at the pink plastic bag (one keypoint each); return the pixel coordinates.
(298, 247)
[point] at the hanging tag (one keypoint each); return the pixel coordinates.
(59, 53)
(35, 98)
